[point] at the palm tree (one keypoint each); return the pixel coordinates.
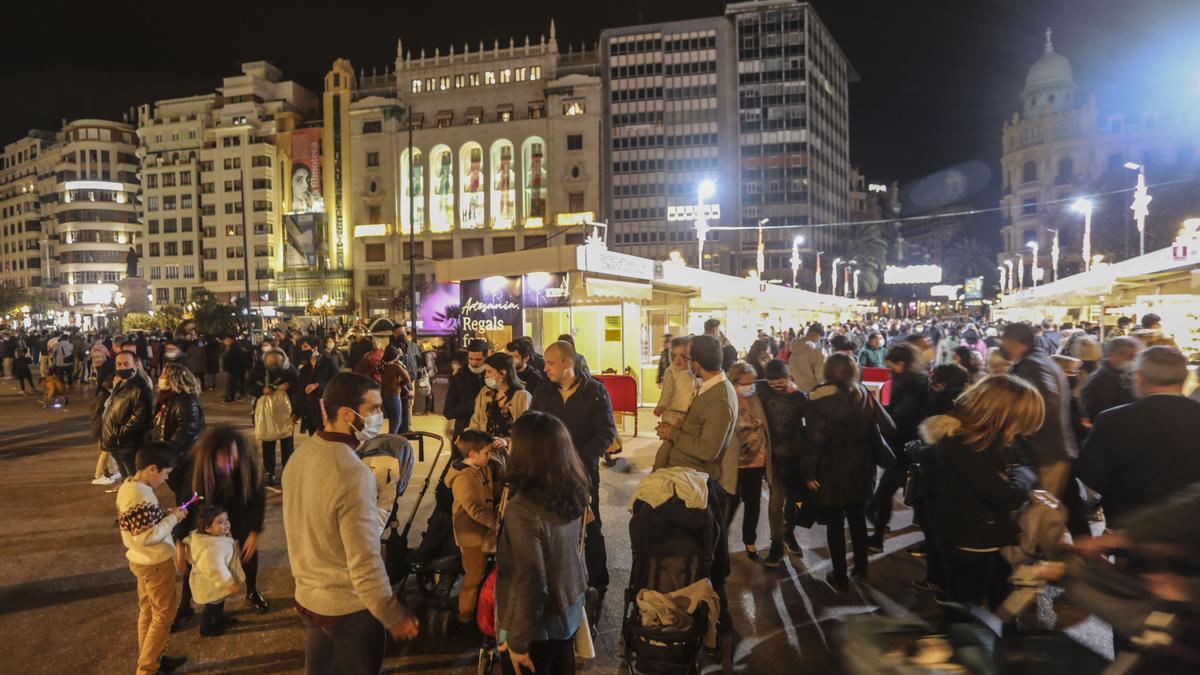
(968, 257)
(868, 246)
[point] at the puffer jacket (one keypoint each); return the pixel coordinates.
(910, 396)
(841, 455)
(476, 499)
(977, 491)
(127, 416)
(216, 563)
(179, 422)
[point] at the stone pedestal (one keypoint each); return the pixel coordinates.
(137, 294)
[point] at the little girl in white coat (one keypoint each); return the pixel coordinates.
(216, 568)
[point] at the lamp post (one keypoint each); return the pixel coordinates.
(833, 275)
(1008, 264)
(1033, 263)
(1003, 276)
(704, 191)
(1020, 271)
(1141, 203)
(1085, 207)
(817, 272)
(119, 301)
(796, 261)
(856, 273)
(1054, 253)
(846, 277)
(762, 257)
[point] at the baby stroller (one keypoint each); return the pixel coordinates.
(673, 547)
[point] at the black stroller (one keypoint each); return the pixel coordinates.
(673, 546)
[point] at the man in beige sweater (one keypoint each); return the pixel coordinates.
(332, 526)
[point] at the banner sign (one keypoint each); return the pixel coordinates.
(546, 289)
(491, 304)
(306, 172)
(303, 241)
(439, 311)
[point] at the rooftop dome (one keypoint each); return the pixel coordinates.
(1051, 69)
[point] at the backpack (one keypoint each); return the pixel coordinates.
(390, 458)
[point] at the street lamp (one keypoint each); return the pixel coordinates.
(1084, 206)
(1008, 264)
(817, 272)
(796, 261)
(119, 301)
(856, 273)
(833, 276)
(704, 191)
(1054, 253)
(1020, 271)
(846, 277)
(1033, 264)
(1141, 203)
(762, 258)
(1003, 276)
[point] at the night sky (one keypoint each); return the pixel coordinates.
(937, 78)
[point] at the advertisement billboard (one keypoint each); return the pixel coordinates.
(439, 311)
(305, 173)
(304, 241)
(491, 304)
(973, 288)
(546, 289)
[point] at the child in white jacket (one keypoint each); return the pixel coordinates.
(679, 387)
(216, 568)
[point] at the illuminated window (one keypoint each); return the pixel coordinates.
(571, 108)
(416, 86)
(521, 74)
(431, 84)
(504, 116)
(470, 160)
(408, 192)
(506, 76)
(458, 81)
(444, 83)
(441, 203)
(535, 72)
(535, 183)
(473, 79)
(489, 77)
(504, 186)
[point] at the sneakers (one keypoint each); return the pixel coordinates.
(775, 555)
(257, 602)
(169, 664)
(791, 545)
(107, 480)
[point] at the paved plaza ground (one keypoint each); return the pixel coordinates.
(68, 604)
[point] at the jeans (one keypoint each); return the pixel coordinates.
(392, 407)
(286, 445)
(65, 374)
(836, 518)
(550, 657)
(353, 646)
(750, 482)
(976, 577)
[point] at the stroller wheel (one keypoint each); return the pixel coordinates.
(440, 623)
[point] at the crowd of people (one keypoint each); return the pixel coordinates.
(962, 419)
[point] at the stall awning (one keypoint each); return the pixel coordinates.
(624, 290)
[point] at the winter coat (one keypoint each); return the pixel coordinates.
(308, 406)
(246, 511)
(587, 414)
(476, 493)
(197, 359)
(216, 563)
(127, 416)
(807, 363)
(872, 357)
(841, 455)
(976, 490)
(1105, 389)
(237, 359)
(1055, 440)
(705, 439)
(463, 387)
(179, 422)
(910, 396)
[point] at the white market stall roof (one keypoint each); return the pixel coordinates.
(1103, 279)
(644, 273)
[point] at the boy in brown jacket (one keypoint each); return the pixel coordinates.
(475, 482)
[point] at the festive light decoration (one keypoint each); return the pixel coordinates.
(913, 274)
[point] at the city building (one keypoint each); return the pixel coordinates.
(505, 156)
(755, 101)
(1061, 145)
(21, 208)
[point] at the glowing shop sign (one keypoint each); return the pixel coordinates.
(579, 218)
(945, 291)
(876, 187)
(913, 274)
(694, 212)
(596, 257)
(92, 185)
(373, 230)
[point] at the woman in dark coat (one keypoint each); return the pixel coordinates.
(316, 370)
(909, 398)
(841, 423)
(225, 472)
(977, 487)
(178, 416)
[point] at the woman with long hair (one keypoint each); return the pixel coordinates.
(225, 472)
(978, 486)
(178, 416)
(502, 400)
(842, 424)
(757, 357)
(541, 581)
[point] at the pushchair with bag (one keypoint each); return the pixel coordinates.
(673, 547)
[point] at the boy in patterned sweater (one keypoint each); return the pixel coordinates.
(150, 549)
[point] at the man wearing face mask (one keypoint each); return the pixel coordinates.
(316, 370)
(464, 387)
(1112, 384)
(331, 524)
(127, 412)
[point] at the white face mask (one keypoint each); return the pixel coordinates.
(475, 370)
(171, 353)
(745, 390)
(372, 424)
(492, 383)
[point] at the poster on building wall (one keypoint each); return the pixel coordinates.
(546, 289)
(304, 241)
(973, 288)
(491, 304)
(306, 172)
(440, 310)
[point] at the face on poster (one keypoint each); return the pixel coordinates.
(306, 172)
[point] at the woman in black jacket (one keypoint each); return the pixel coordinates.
(977, 487)
(316, 370)
(540, 576)
(178, 417)
(225, 472)
(841, 423)
(910, 394)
